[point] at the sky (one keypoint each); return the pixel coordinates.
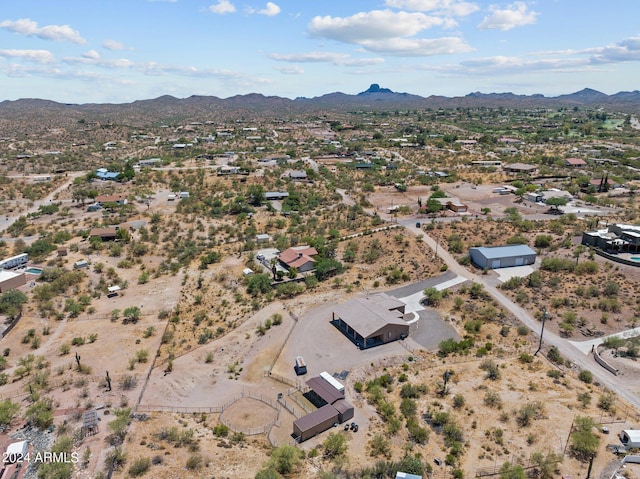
(118, 51)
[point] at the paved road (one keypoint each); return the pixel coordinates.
(583, 360)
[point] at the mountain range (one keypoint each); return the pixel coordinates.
(168, 109)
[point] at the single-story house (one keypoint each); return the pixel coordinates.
(630, 437)
(10, 280)
(371, 321)
(150, 162)
(104, 174)
(298, 175)
(519, 168)
(299, 257)
(615, 238)
(457, 206)
(493, 257)
(105, 234)
(276, 195)
(575, 162)
(119, 199)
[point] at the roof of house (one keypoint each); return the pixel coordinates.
(110, 198)
(324, 389)
(111, 231)
(495, 252)
(575, 161)
(519, 166)
(270, 195)
(318, 416)
(7, 275)
(297, 256)
(368, 315)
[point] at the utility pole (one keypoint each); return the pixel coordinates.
(544, 318)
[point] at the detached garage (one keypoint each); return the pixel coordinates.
(494, 257)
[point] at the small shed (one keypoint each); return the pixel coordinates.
(630, 437)
(502, 256)
(63, 251)
(313, 424)
(83, 263)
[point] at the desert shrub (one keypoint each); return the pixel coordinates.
(586, 376)
(491, 368)
(139, 466)
(194, 462)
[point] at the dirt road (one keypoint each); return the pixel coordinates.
(6, 221)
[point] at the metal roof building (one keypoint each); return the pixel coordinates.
(316, 422)
(333, 409)
(502, 256)
(371, 321)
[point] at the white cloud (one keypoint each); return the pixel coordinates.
(222, 7)
(114, 45)
(514, 15)
(92, 54)
(290, 70)
(455, 8)
(29, 28)
(628, 50)
(338, 59)
(375, 25)
(418, 47)
(38, 56)
(270, 10)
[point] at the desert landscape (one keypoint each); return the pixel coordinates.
(161, 313)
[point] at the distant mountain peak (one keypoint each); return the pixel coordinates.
(375, 88)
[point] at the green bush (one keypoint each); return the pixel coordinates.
(139, 466)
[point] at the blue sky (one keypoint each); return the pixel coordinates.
(116, 51)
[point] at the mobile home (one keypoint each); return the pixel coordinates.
(15, 261)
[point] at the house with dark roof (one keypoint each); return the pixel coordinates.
(299, 257)
(332, 406)
(105, 234)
